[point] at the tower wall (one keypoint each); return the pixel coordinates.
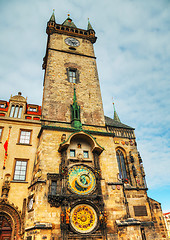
(58, 91)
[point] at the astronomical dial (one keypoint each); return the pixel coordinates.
(73, 42)
(83, 218)
(81, 180)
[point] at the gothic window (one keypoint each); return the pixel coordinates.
(73, 76)
(25, 137)
(121, 164)
(20, 170)
(16, 111)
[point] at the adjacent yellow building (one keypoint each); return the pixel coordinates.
(68, 171)
(167, 222)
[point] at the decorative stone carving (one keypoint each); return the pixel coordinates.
(6, 186)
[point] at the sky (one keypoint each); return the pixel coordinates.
(133, 59)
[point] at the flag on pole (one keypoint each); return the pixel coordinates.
(6, 147)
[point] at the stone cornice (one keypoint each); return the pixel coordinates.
(75, 53)
(55, 128)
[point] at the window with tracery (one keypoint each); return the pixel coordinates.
(121, 164)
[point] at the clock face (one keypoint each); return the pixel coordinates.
(81, 180)
(83, 218)
(72, 42)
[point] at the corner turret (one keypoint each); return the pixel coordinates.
(52, 18)
(89, 26)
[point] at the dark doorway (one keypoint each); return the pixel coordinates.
(5, 229)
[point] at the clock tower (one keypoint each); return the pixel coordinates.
(88, 179)
(70, 60)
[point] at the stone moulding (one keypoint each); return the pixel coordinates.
(40, 226)
(127, 222)
(55, 128)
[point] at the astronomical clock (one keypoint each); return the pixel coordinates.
(77, 189)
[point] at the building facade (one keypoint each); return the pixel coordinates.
(167, 222)
(68, 171)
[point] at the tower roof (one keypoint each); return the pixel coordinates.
(116, 117)
(111, 122)
(68, 27)
(68, 22)
(115, 122)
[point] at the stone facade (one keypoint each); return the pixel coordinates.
(69, 172)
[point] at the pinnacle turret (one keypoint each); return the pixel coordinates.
(89, 26)
(52, 18)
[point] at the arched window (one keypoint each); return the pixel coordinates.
(121, 164)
